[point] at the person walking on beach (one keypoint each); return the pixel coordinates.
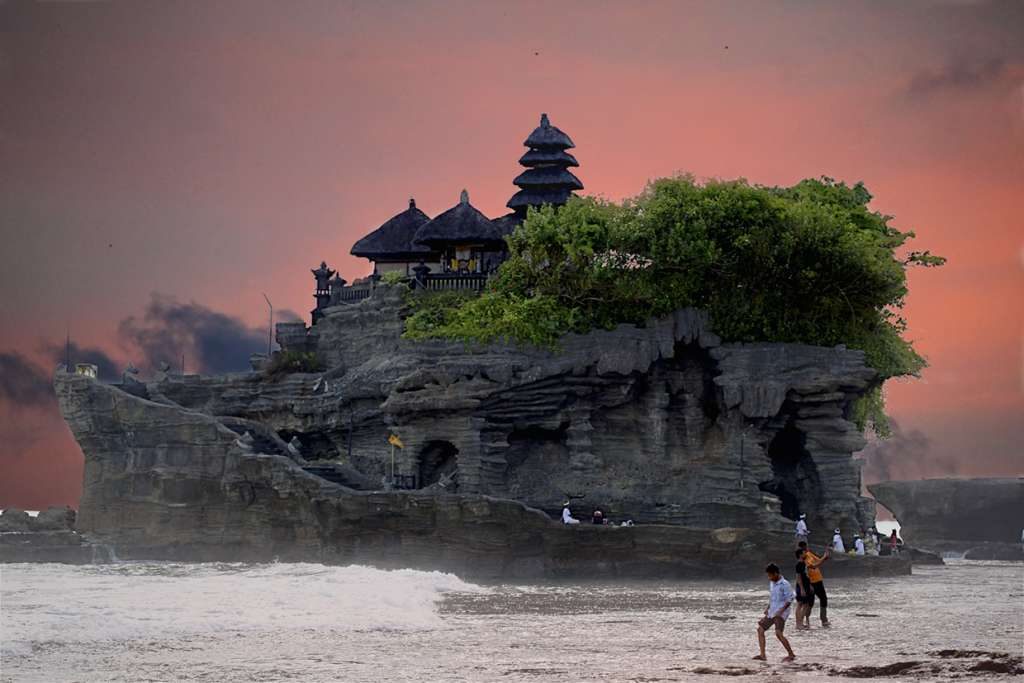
(780, 597)
(804, 593)
(813, 563)
(801, 529)
(894, 543)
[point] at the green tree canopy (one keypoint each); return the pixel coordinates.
(809, 263)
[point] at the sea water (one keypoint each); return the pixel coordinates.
(307, 622)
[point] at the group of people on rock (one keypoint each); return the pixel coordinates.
(597, 517)
(870, 544)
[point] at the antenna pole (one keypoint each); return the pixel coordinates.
(270, 327)
(67, 351)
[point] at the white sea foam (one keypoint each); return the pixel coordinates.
(47, 603)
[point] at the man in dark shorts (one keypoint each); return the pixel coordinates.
(813, 563)
(775, 615)
(804, 593)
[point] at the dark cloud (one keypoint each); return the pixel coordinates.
(907, 454)
(212, 342)
(287, 315)
(108, 369)
(23, 384)
(957, 76)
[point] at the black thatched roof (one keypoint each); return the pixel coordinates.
(524, 198)
(547, 157)
(462, 224)
(548, 176)
(508, 223)
(546, 135)
(395, 239)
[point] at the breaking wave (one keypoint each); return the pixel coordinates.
(46, 603)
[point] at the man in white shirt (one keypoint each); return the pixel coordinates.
(801, 529)
(837, 543)
(858, 544)
(780, 598)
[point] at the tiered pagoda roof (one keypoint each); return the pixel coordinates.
(396, 238)
(461, 224)
(547, 179)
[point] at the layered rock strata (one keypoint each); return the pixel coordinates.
(662, 423)
(165, 482)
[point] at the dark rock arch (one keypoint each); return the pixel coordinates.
(795, 478)
(437, 459)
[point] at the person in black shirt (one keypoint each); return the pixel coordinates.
(804, 593)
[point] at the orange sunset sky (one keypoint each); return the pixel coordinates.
(162, 164)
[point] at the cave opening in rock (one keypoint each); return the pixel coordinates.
(794, 475)
(437, 459)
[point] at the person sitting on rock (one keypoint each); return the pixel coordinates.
(598, 517)
(567, 517)
(837, 542)
(858, 545)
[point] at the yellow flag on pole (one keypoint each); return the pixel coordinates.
(395, 441)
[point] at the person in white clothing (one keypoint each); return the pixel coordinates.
(781, 596)
(837, 543)
(567, 517)
(801, 529)
(858, 544)
(872, 543)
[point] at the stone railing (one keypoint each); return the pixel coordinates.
(474, 282)
(350, 295)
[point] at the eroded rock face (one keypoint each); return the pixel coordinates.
(971, 511)
(164, 482)
(661, 424)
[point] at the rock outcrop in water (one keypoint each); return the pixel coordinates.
(662, 424)
(963, 514)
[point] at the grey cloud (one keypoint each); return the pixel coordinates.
(24, 384)
(212, 342)
(958, 75)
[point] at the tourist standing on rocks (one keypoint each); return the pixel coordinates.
(837, 542)
(801, 529)
(894, 543)
(814, 563)
(858, 545)
(804, 593)
(780, 597)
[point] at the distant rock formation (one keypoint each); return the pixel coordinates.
(956, 512)
(662, 424)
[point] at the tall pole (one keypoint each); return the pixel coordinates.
(67, 351)
(270, 327)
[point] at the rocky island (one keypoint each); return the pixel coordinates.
(982, 518)
(441, 412)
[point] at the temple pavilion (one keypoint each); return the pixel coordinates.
(460, 247)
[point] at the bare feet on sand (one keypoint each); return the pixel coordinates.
(761, 658)
(789, 658)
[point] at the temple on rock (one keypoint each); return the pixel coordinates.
(356, 444)
(460, 248)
